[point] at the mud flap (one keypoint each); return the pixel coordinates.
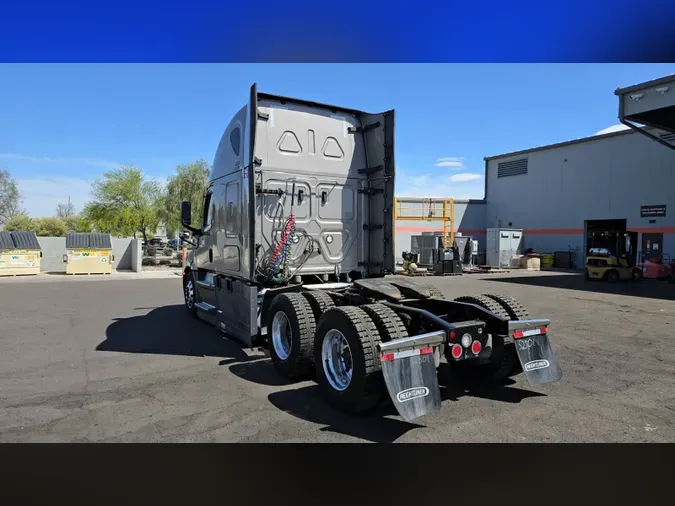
(411, 377)
(536, 356)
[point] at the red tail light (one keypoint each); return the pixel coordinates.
(457, 351)
(476, 347)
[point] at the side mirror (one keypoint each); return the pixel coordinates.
(186, 213)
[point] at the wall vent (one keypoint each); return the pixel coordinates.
(512, 168)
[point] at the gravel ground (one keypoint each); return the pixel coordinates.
(121, 361)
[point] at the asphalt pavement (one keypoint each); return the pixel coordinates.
(120, 360)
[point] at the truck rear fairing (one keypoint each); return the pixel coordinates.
(328, 167)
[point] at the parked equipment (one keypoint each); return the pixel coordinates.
(20, 253)
(602, 265)
(502, 246)
(293, 253)
(447, 262)
(88, 253)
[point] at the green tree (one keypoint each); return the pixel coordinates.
(21, 222)
(124, 203)
(50, 227)
(10, 203)
(77, 224)
(189, 183)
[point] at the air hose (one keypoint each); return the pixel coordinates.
(278, 261)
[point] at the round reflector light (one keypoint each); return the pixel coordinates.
(476, 347)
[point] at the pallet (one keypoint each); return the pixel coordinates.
(486, 270)
(415, 274)
(87, 273)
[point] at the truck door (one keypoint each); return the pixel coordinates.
(204, 254)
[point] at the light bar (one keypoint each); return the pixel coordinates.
(388, 357)
(518, 334)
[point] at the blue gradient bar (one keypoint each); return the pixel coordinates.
(313, 31)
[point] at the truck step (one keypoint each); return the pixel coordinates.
(205, 306)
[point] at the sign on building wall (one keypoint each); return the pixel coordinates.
(652, 211)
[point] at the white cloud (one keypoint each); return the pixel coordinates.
(40, 196)
(451, 162)
(91, 162)
(465, 177)
(429, 186)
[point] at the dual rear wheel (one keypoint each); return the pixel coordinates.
(308, 333)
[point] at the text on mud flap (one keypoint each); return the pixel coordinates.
(412, 393)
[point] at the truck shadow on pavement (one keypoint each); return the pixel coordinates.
(647, 288)
(381, 425)
(169, 331)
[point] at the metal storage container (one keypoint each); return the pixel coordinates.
(88, 253)
(425, 245)
(20, 253)
(502, 244)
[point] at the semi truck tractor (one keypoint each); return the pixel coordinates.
(296, 251)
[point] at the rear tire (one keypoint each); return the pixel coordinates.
(320, 302)
(290, 334)
(352, 380)
(388, 323)
(516, 311)
(504, 359)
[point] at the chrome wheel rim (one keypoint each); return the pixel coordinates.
(189, 295)
(281, 335)
(336, 357)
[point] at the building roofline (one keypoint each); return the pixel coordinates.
(561, 144)
(457, 201)
(646, 84)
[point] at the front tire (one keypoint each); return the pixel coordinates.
(612, 276)
(290, 333)
(346, 359)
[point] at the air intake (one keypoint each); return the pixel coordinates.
(512, 168)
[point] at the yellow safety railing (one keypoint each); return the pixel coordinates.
(429, 210)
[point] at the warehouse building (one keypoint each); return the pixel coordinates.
(560, 194)
(615, 186)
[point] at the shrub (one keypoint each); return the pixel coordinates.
(151, 251)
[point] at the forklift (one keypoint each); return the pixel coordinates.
(611, 257)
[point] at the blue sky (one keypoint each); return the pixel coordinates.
(63, 126)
